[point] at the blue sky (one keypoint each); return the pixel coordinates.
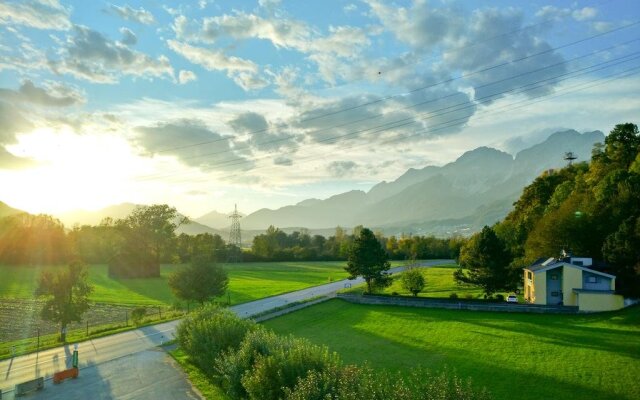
(265, 103)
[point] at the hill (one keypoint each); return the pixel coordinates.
(6, 210)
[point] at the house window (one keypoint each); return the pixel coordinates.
(529, 275)
(555, 294)
(592, 279)
(554, 277)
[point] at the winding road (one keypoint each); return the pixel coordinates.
(98, 351)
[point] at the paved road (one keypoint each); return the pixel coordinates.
(98, 351)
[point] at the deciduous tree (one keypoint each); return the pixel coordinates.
(201, 281)
(413, 280)
(67, 295)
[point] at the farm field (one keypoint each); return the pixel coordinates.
(247, 282)
(523, 356)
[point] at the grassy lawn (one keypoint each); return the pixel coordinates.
(206, 387)
(516, 356)
(248, 281)
(439, 283)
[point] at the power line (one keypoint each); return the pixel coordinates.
(446, 110)
(446, 124)
(419, 88)
(376, 116)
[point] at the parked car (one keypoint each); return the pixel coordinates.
(512, 298)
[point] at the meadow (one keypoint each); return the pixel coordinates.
(523, 356)
(247, 282)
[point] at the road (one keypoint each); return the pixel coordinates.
(98, 351)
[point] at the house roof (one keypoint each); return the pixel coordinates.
(552, 265)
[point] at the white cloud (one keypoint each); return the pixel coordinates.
(186, 76)
(140, 15)
(128, 37)
(243, 72)
(585, 13)
(91, 56)
(53, 94)
(40, 14)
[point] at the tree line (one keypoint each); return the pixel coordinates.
(135, 246)
(588, 209)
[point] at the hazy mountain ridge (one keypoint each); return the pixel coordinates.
(6, 210)
(476, 189)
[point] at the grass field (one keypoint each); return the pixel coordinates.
(516, 356)
(247, 282)
(439, 283)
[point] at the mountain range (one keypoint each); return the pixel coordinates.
(478, 188)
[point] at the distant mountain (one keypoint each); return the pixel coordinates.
(84, 217)
(6, 210)
(476, 189)
(214, 219)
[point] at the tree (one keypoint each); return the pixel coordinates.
(148, 236)
(201, 281)
(622, 250)
(67, 293)
(368, 259)
(413, 280)
(487, 262)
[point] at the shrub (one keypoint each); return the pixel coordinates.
(453, 296)
(266, 364)
(137, 314)
(468, 296)
(353, 383)
(499, 297)
(206, 333)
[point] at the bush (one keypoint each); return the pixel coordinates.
(266, 364)
(499, 297)
(206, 333)
(453, 296)
(468, 296)
(137, 314)
(353, 383)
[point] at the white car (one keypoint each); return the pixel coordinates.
(512, 298)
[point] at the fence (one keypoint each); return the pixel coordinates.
(456, 304)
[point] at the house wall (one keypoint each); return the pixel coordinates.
(602, 282)
(599, 301)
(571, 279)
(529, 292)
(540, 287)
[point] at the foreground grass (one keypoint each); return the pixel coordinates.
(524, 356)
(207, 388)
(247, 282)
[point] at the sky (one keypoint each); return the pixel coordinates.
(206, 104)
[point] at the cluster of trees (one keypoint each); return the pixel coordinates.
(250, 362)
(591, 210)
(277, 245)
(33, 239)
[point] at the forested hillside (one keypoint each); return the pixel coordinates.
(590, 210)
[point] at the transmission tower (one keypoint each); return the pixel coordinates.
(235, 238)
(570, 156)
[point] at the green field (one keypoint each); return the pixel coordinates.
(247, 282)
(516, 356)
(439, 283)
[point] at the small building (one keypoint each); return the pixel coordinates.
(570, 281)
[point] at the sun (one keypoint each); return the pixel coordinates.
(71, 171)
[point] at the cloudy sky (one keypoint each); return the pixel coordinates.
(265, 103)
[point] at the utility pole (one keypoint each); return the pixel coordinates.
(570, 156)
(235, 238)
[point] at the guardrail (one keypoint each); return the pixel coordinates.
(29, 386)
